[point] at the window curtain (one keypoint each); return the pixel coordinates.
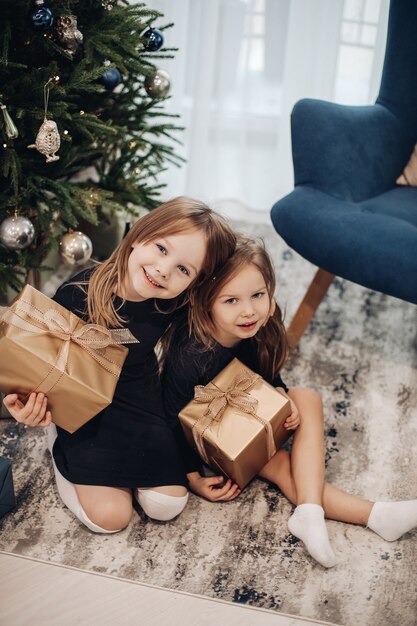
(240, 67)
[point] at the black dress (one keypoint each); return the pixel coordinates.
(188, 364)
(129, 443)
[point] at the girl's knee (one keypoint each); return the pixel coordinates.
(162, 503)
(309, 403)
(315, 398)
(108, 516)
(302, 394)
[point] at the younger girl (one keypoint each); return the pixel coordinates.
(128, 445)
(234, 315)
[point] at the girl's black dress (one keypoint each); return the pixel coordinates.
(129, 443)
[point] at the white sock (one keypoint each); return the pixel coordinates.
(308, 524)
(390, 520)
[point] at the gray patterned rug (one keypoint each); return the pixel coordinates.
(360, 352)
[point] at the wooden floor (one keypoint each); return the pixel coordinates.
(37, 593)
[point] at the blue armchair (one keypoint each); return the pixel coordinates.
(346, 214)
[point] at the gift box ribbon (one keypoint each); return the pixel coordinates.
(235, 395)
(92, 338)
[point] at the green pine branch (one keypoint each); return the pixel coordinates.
(114, 143)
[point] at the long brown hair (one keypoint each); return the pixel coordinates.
(175, 216)
(271, 340)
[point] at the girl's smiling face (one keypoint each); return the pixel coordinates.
(164, 267)
(241, 307)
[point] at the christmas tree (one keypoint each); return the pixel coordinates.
(82, 124)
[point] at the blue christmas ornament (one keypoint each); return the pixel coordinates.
(153, 39)
(42, 19)
(111, 78)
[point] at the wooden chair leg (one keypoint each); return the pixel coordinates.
(314, 295)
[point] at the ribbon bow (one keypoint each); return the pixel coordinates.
(235, 395)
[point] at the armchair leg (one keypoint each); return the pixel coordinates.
(314, 295)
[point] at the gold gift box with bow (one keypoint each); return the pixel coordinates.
(46, 348)
(236, 422)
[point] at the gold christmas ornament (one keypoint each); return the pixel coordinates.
(75, 248)
(158, 84)
(48, 140)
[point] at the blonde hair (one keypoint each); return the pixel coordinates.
(175, 216)
(271, 340)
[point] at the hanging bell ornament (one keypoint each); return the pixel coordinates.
(68, 33)
(9, 125)
(157, 85)
(153, 39)
(48, 140)
(16, 233)
(42, 18)
(75, 248)
(108, 4)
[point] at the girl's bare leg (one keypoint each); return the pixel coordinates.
(345, 507)
(307, 470)
(305, 481)
(307, 465)
(101, 509)
(390, 520)
(337, 504)
(109, 508)
(307, 454)
(307, 522)
(278, 471)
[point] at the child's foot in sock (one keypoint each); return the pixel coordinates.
(308, 524)
(390, 520)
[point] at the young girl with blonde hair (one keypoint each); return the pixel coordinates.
(128, 446)
(235, 315)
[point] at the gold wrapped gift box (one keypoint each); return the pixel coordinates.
(236, 422)
(46, 348)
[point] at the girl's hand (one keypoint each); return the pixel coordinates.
(293, 421)
(212, 487)
(33, 413)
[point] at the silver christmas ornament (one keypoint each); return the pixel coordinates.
(16, 233)
(48, 140)
(75, 248)
(68, 33)
(158, 84)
